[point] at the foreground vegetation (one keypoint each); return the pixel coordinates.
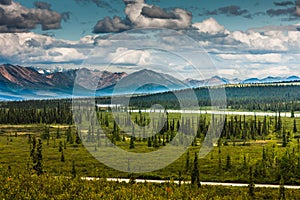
(22, 185)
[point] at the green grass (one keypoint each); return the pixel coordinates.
(14, 152)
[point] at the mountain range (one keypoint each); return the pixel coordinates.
(216, 80)
(18, 82)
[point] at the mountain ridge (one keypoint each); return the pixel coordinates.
(18, 82)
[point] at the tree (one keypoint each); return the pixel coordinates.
(295, 127)
(292, 113)
(73, 171)
(60, 148)
(279, 123)
(38, 167)
(228, 162)
(284, 138)
(251, 185)
(195, 176)
(281, 190)
(131, 145)
(62, 158)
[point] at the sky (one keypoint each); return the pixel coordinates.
(243, 39)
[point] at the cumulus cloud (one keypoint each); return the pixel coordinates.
(210, 26)
(157, 12)
(254, 58)
(34, 48)
(111, 25)
(17, 18)
(142, 15)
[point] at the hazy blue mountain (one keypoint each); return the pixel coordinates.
(17, 82)
(144, 81)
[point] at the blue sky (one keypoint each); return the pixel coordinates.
(242, 38)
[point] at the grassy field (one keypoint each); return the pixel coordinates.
(229, 161)
(47, 187)
(15, 153)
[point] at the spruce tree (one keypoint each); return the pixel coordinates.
(131, 145)
(73, 171)
(195, 175)
(284, 138)
(281, 190)
(62, 158)
(251, 185)
(60, 147)
(292, 113)
(228, 162)
(295, 127)
(38, 167)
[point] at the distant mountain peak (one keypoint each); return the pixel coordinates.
(17, 81)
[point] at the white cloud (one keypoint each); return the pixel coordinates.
(16, 18)
(34, 48)
(258, 41)
(281, 71)
(254, 58)
(210, 26)
(181, 20)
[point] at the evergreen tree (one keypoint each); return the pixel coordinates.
(228, 162)
(38, 167)
(251, 185)
(60, 147)
(292, 113)
(62, 158)
(131, 145)
(281, 190)
(295, 127)
(73, 171)
(284, 138)
(195, 175)
(245, 162)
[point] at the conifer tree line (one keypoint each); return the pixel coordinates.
(247, 97)
(234, 128)
(281, 98)
(36, 111)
